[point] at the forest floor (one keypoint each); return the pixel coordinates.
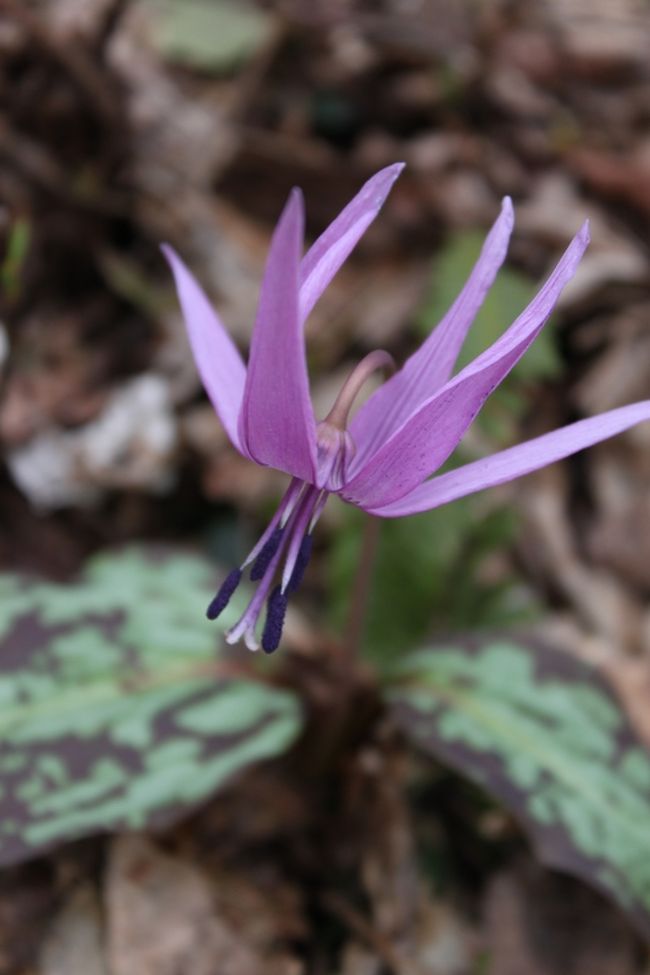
(124, 124)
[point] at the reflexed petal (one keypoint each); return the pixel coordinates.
(430, 367)
(217, 359)
(425, 441)
(327, 254)
(516, 461)
(277, 422)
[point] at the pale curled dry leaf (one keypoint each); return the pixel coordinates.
(164, 917)
(631, 678)
(617, 536)
(406, 926)
(600, 35)
(74, 944)
(129, 445)
(70, 20)
(613, 257)
(538, 923)
(181, 140)
(549, 545)
(622, 367)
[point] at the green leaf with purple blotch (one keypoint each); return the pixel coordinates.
(116, 709)
(542, 732)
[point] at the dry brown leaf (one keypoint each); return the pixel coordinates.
(74, 942)
(164, 918)
(540, 923)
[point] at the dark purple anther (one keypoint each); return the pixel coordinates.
(263, 560)
(301, 563)
(222, 598)
(275, 613)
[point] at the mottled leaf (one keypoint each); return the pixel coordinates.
(115, 707)
(542, 732)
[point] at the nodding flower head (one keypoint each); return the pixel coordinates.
(289, 534)
(384, 457)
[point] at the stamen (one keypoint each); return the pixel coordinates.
(318, 510)
(250, 639)
(245, 626)
(299, 530)
(301, 563)
(222, 598)
(275, 612)
(281, 517)
(295, 538)
(263, 560)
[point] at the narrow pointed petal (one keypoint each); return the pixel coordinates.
(327, 254)
(430, 435)
(277, 422)
(217, 359)
(429, 368)
(516, 461)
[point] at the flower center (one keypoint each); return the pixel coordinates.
(335, 446)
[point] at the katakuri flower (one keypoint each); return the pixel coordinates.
(382, 458)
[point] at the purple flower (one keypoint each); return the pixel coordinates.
(383, 457)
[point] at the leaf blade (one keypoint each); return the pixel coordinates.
(542, 733)
(117, 709)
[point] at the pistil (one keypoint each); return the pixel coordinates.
(335, 446)
(379, 359)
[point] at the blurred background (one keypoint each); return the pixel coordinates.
(125, 123)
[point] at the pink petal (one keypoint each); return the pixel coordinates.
(516, 461)
(430, 367)
(217, 359)
(430, 435)
(327, 254)
(277, 422)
